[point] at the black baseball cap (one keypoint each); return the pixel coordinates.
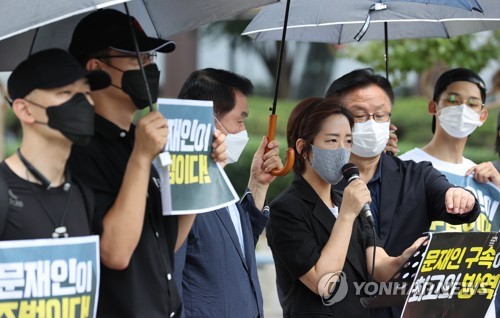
(458, 75)
(51, 68)
(109, 28)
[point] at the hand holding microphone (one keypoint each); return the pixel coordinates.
(358, 190)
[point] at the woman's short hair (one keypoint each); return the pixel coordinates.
(305, 122)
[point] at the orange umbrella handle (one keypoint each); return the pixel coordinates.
(290, 154)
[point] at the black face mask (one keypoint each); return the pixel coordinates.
(133, 85)
(74, 119)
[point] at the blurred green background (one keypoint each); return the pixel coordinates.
(409, 114)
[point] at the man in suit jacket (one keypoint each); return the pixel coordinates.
(217, 266)
(406, 196)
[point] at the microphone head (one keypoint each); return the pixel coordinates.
(349, 170)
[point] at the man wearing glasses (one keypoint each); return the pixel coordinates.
(137, 242)
(458, 109)
(406, 196)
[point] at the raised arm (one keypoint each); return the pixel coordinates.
(333, 254)
(123, 223)
(385, 265)
(260, 171)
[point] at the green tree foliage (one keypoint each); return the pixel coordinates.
(472, 51)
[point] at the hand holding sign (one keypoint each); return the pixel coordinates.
(151, 135)
(219, 147)
(197, 184)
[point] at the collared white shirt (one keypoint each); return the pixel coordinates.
(235, 218)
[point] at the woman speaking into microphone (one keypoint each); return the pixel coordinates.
(321, 244)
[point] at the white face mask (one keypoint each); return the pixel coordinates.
(369, 138)
(235, 144)
(459, 121)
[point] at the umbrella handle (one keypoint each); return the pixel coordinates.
(290, 154)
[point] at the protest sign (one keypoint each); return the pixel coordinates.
(49, 277)
(457, 277)
(189, 179)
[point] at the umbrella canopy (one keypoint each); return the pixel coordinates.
(348, 21)
(322, 21)
(463, 4)
(32, 14)
(161, 18)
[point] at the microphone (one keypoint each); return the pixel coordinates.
(350, 173)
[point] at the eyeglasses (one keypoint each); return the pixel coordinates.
(457, 100)
(379, 117)
(145, 58)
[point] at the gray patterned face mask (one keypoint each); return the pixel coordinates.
(328, 163)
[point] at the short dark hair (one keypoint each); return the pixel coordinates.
(305, 122)
(458, 75)
(357, 79)
(218, 86)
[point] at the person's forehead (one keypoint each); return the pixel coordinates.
(241, 106)
(335, 123)
(369, 96)
(465, 88)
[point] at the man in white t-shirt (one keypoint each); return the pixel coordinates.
(458, 109)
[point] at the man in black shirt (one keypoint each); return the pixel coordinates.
(50, 97)
(137, 242)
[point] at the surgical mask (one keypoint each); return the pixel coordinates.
(74, 119)
(459, 121)
(235, 144)
(369, 138)
(328, 163)
(133, 85)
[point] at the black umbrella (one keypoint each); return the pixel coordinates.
(51, 24)
(35, 25)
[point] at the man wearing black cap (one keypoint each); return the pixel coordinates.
(49, 94)
(406, 196)
(457, 107)
(137, 242)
